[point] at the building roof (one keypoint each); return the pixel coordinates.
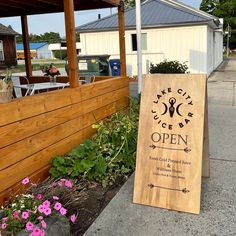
(4, 30)
(33, 46)
(154, 13)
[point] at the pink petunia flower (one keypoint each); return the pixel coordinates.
(43, 223)
(57, 206)
(68, 184)
(39, 196)
(36, 231)
(73, 218)
(46, 204)
(29, 226)
(40, 218)
(15, 214)
(42, 233)
(47, 211)
(61, 182)
(25, 181)
(5, 219)
(56, 198)
(3, 226)
(63, 211)
(41, 208)
(25, 215)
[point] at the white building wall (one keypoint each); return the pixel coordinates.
(44, 53)
(210, 51)
(214, 49)
(185, 44)
(218, 48)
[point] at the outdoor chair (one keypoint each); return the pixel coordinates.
(16, 80)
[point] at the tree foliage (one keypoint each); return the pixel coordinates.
(50, 37)
(208, 6)
(129, 3)
(223, 9)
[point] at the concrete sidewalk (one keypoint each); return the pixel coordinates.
(218, 202)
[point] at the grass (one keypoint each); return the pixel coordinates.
(233, 54)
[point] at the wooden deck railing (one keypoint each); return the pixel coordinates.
(36, 128)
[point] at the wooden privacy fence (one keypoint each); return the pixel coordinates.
(34, 129)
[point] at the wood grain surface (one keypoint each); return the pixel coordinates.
(170, 142)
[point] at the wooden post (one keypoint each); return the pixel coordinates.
(121, 22)
(25, 36)
(71, 42)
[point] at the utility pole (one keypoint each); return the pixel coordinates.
(139, 43)
(228, 37)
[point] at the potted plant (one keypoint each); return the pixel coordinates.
(52, 72)
(6, 87)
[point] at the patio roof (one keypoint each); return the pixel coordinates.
(28, 7)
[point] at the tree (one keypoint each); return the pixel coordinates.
(77, 37)
(129, 3)
(208, 6)
(19, 38)
(50, 37)
(223, 9)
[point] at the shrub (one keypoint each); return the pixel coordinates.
(169, 67)
(60, 54)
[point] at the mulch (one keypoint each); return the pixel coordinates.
(93, 198)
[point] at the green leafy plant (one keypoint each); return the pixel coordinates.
(110, 154)
(7, 77)
(169, 67)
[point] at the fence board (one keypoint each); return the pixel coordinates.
(40, 159)
(34, 129)
(19, 130)
(17, 188)
(27, 107)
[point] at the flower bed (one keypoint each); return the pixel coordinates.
(30, 211)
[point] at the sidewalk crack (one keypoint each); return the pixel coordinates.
(225, 160)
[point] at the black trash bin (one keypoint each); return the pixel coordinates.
(115, 67)
(92, 65)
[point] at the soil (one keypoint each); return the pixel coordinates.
(93, 199)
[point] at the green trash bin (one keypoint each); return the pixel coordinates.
(92, 65)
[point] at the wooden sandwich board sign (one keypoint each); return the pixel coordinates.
(170, 142)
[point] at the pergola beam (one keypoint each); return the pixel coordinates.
(29, 7)
(71, 42)
(58, 4)
(121, 23)
(25, 36)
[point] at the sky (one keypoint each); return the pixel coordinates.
(39, 24)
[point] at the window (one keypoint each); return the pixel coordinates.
(134, 41)
(1, 51)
